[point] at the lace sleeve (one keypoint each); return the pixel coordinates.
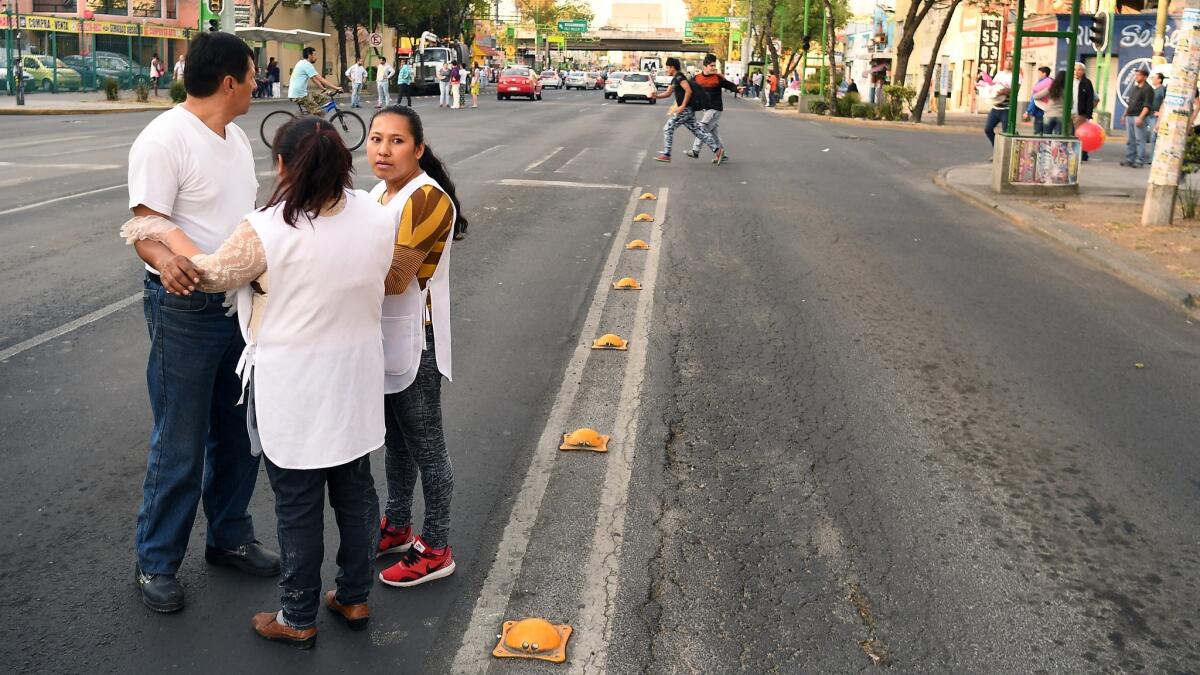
(240, 260)
(147, 227)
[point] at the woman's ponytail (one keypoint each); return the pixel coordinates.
(317, 168)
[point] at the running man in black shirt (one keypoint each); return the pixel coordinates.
(712, 82)
(682, 114)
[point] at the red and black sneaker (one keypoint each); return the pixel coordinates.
(662, 157)
(394, 539)
(419, 564)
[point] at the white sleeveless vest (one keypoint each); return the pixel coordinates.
(404, 314)
(317, 358)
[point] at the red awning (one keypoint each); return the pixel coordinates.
(405, 51)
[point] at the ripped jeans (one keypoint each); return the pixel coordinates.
(300, 510)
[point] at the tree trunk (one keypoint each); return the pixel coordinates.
(341, 31)
(919, 106)
(831, 36)
(912, 21)
(357, 46)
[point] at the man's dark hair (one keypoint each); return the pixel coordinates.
(710, 59)
(1044, 70)
(674, 63)
(308, 51)
(212, 56)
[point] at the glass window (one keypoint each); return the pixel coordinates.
(111, 7)
(170, 9)
(151, 8)
(54, 6)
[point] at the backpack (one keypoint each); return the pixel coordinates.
(699, 100)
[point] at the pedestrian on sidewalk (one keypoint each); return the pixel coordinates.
(199, 448)
(383, 77)
(996, 91)
(456, 75)
(712, 83)
(313, 388)
(1051, 105)
(1035, 111)
(476, 84)
(180, 67)
(772, 89)
(405, 80)
(443, 78)
(1139, 98)
(156, 72)
(683, 113)
(756, 84)
(1083, 99)
(416, 187)
(273, 74)
(1160, 94)
(357, 74)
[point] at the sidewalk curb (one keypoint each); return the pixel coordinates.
(855, 121)
(1128, 266)
(15, 111)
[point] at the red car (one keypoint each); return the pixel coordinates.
(518, 81)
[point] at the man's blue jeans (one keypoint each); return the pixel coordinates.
(1135, 141)
(995, 116)
(355, 94)
(199, 447)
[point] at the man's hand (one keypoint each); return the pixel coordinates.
(1140, 122)
(179, 276)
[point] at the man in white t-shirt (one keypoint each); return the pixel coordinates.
(357, 74)
(180, 66)
(383, 77)
(192, 166)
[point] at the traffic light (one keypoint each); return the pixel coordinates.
(1099, 34)
(214, 25)
(806, 41)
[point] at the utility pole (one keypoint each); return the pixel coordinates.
(1160, 32)
(1175, 121)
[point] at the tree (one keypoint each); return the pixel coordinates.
(263, 9)
(915, 14)
(923, 96)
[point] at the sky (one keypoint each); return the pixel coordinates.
(674, 12)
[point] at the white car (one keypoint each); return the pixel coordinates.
(662, 80)
(637, 87)
(611, 84)
(551, 79)
(577, 79)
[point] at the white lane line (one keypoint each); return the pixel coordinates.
(55, 140)
(68, 327)
(475, 651)
(541, 161)
(637, 161)
(478, 154)
(563, 168)
(63, 198)
(99, 167)
(597, 603)
(522, 182)
(85, 150)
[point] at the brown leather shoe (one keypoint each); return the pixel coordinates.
(356, 616)
(267, 625)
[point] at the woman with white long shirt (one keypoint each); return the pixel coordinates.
(309, 268)
(416, 324)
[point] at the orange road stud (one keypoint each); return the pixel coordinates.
(637, 245)
(533, 638)
(627, 284)
(585, 439)
(610, 341)
(647, 195)
(643, 218)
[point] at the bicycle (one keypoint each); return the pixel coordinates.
(349, 125)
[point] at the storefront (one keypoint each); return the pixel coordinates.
(80, 52)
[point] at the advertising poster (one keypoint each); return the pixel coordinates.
(1044, 161)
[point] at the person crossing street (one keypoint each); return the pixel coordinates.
(683, 114)
(712, 82)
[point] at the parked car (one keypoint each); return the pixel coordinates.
(551, 78)
(637, 87)
(41, 68)
(109, 64)
(518, 82)
(598, 78)
(577, 79)
(10, 87)
(611, 84)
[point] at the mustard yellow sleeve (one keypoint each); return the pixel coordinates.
(426, 220)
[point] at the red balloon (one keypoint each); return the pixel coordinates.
(1090, 135)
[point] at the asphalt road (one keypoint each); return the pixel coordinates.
(859, 422)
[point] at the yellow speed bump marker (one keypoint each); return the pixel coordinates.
(610, 341)
(637, 245)
(585, 439)
(647, 195)
(627, 284)
(533, 639)
(643, 218)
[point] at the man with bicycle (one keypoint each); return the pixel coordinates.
(298, 87)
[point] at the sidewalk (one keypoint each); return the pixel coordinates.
(1102, 223)
(956, 122)
(89, 103)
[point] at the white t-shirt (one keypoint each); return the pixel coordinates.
(204, 183)
(357, 74)
(179, 65)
